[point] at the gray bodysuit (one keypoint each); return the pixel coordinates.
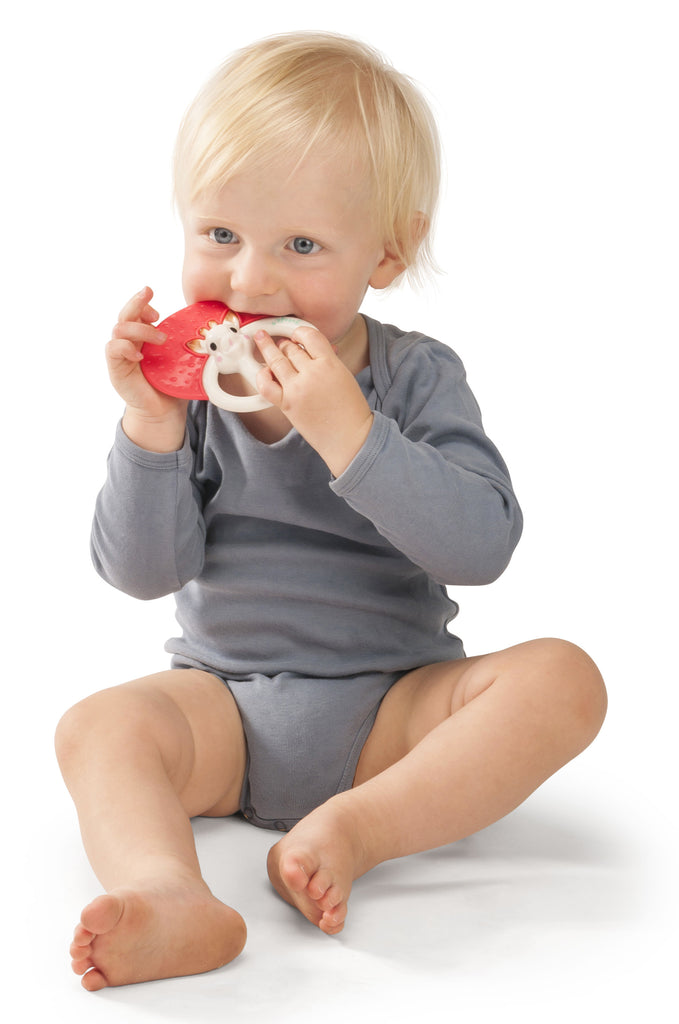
(311, 595)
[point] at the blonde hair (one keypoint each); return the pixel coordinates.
(284, 96)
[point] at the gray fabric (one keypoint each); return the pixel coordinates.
(304, 738)
(278, 567)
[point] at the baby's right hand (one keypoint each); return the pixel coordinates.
(152, 420)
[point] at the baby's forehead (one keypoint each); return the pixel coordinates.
(322, 179)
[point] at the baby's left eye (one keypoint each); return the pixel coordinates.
(222, 235)
(304, 246)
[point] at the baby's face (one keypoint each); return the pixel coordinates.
(303, 245)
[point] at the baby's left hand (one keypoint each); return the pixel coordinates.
(306, 380)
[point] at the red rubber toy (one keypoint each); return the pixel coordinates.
(206, 340)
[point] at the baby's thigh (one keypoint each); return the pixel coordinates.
(214, 751)
(416, 704)
(550, 674)
(190, 718)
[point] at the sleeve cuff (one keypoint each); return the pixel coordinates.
(152, 460)
(365, 458)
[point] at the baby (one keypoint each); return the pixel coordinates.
(315, 686)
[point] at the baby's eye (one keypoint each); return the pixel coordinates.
(304, 246)
(223, 236)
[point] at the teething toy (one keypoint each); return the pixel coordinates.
(204, 341)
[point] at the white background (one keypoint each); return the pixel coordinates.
(558, 238)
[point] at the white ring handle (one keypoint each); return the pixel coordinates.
(230, 350)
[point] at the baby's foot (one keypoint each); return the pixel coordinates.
(162, 931)
(313, 867)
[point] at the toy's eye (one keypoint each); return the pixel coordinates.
(213, 346)
(304, 246)
(223, 236)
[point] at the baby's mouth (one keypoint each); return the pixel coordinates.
(253, 314)
(275, 316)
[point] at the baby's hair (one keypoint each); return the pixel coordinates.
(278, 99)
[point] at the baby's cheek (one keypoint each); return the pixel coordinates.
(197, 281)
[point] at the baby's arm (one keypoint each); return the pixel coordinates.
(148, 535)
(429, 478)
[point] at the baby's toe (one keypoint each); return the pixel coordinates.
(332, 921)
(101, 915)
(81, 937)
(81, 948)
(321, 884)
(331, 899)
(94, 981)
(80, 965)
(294, 872)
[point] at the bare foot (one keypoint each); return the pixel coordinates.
(313, 867)
(161, 931)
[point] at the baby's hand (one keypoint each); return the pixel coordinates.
(306, 379)
(153, 420)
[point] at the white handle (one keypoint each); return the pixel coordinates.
(231, 351)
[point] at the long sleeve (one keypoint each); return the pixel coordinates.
(148, 536)
(428, 477)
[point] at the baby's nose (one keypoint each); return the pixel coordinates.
(252, 274)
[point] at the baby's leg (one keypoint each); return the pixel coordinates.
(455, 747)
(139, 761)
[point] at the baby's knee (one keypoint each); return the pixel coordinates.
(579, 683)
(73, 729)
(89, 721)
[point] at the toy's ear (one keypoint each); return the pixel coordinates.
(232, 319)
(196, 345)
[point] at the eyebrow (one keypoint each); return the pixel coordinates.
(208, 220)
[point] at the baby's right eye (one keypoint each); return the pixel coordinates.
(223, 236)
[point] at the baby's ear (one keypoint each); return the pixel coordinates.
(387, 270)
(393, 263)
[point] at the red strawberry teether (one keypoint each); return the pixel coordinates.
(207, 340)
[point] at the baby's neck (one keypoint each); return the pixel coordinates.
(354, 349)
(266, 425)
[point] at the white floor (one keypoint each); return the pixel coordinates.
(557, 236)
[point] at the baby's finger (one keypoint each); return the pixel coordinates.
(311, 339)
(268, 386)
(122, 350)
(138, 308)
(138, 332)
(295, 353)
(266, 345)
(275, 358)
